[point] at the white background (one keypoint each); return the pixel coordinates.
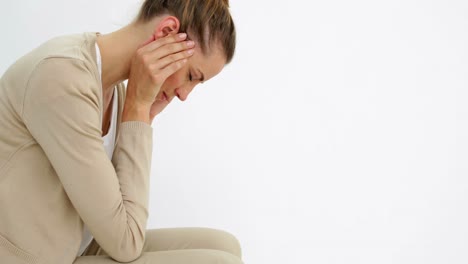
(339, 133)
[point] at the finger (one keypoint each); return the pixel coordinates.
(168, 50)
(173, 38)
(164, 62)
(171, 69)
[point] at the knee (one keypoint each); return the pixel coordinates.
(225, 257)
(222, 240)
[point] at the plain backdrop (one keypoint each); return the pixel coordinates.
(338, 134)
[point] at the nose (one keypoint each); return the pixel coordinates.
(183, 92)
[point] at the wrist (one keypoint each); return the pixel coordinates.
(136, 112)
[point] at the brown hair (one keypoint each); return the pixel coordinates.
(203, 20)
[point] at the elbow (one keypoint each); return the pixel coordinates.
(127, 245)
(129, 249)
(126, 255)
(125, 258)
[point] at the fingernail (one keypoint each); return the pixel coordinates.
(190, 43)
(182, 35)
(190, 51)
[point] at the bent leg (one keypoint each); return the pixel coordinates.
(192, 256)
(191, 238)
(163, 239)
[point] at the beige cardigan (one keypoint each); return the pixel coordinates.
(54, 172)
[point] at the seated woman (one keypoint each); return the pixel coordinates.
(76, 144)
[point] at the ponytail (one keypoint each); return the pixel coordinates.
(203, 20)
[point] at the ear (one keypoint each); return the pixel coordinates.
(167, 26)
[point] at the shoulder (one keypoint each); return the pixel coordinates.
(62, 82)
(75, 49)
(64, 92)
(69, 61)
(78, 46)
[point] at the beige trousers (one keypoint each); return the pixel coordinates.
(177, 246)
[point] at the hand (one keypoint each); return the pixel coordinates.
(157, 107)
(151, 65)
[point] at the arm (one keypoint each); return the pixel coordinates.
(61, 111)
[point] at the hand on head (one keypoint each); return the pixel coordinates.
(152, 64)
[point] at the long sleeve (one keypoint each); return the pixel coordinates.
(62, 111)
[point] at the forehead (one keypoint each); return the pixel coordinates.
(209, 63)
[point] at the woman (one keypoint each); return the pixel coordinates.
(75, 144)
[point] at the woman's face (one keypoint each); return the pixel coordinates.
(198, 69)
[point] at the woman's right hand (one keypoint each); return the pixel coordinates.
(151, 65)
